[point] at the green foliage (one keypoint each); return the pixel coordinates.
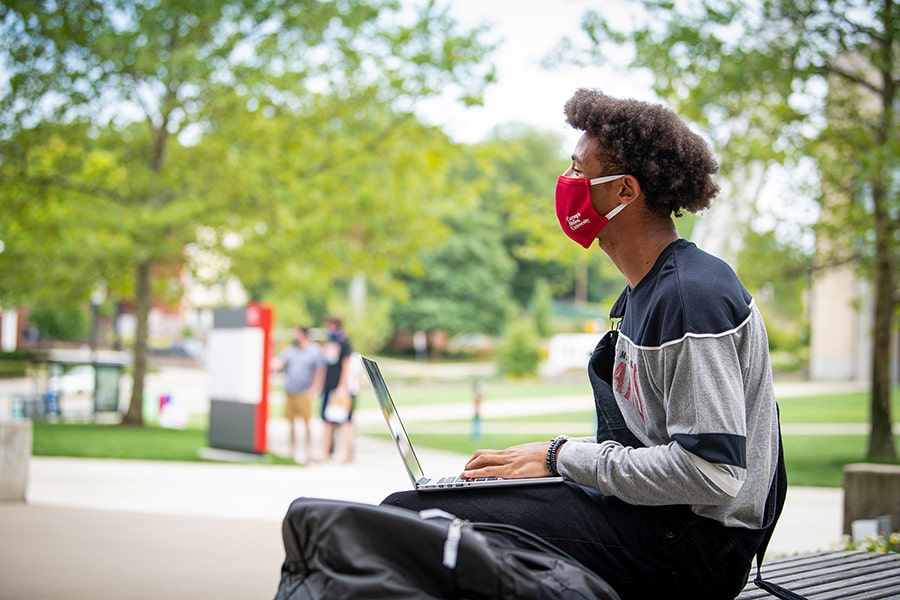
(465, 284)
(784, 82)
(328, 224)
(514, 172)
(139, 138)
(60, 322)
(519, 352)
(16, 363)
(776, 272)
(542, 308)
(367, 326)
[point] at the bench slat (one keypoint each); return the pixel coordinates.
(860, 588)
(837, 575)
(831, 574)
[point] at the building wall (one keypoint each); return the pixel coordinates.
(840, 322)
(841, 317)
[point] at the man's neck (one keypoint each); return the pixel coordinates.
(635, 250)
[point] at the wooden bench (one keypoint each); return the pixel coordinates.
(835, 574)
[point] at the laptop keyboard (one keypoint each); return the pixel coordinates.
(456, 480)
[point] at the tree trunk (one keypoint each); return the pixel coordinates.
(144, 297)
(581, 284)
(881, 438)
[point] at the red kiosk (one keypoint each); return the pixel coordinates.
(237, 366)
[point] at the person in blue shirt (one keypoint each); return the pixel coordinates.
(304, 367)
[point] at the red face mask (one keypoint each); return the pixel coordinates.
(576, 214)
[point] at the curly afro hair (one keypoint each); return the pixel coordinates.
(673, 164)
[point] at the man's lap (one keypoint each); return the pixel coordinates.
(637, 549)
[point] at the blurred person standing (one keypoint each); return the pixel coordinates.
(304, 366)
(354, 385)
(337, 400)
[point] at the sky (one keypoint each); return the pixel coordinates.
(526, 92)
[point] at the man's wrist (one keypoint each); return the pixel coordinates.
(553, 453)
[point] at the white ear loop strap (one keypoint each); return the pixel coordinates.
(605, 179)
(615, 211)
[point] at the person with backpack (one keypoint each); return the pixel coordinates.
(684, 480)
(337, 396)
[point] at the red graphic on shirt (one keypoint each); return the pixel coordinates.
(627, 387)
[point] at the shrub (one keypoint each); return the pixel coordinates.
(15, 364)
(61, 322)
(519, 353)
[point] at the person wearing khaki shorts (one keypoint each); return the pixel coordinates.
(304, 367)
(298, 406)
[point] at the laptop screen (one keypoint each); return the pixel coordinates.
(398, 432)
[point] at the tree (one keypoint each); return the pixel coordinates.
(777, 274)
(786, 81)
(541, 308)
(518, 167)
(514, 172)
(464, 286)
(128, 125)
(325, 225)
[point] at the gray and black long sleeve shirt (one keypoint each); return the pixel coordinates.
(693, 381)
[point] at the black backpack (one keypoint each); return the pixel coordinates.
(336, 549)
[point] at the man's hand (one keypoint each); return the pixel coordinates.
(524, 460)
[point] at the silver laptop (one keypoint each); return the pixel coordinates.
(408, 454)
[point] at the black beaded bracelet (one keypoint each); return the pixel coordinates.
(552, 451)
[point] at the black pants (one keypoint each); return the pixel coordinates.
(642, 551)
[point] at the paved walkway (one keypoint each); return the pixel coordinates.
(114, 529)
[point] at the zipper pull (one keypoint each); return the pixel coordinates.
(451, 544)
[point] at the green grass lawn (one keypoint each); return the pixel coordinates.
(817, 460)
(410, 394)
(813, 460)
(836, 408)
(88, 440)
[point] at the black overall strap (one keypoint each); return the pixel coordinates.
(609, 423)
(618, 308)
(774, 505)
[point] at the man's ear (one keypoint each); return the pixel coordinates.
(629, 189)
